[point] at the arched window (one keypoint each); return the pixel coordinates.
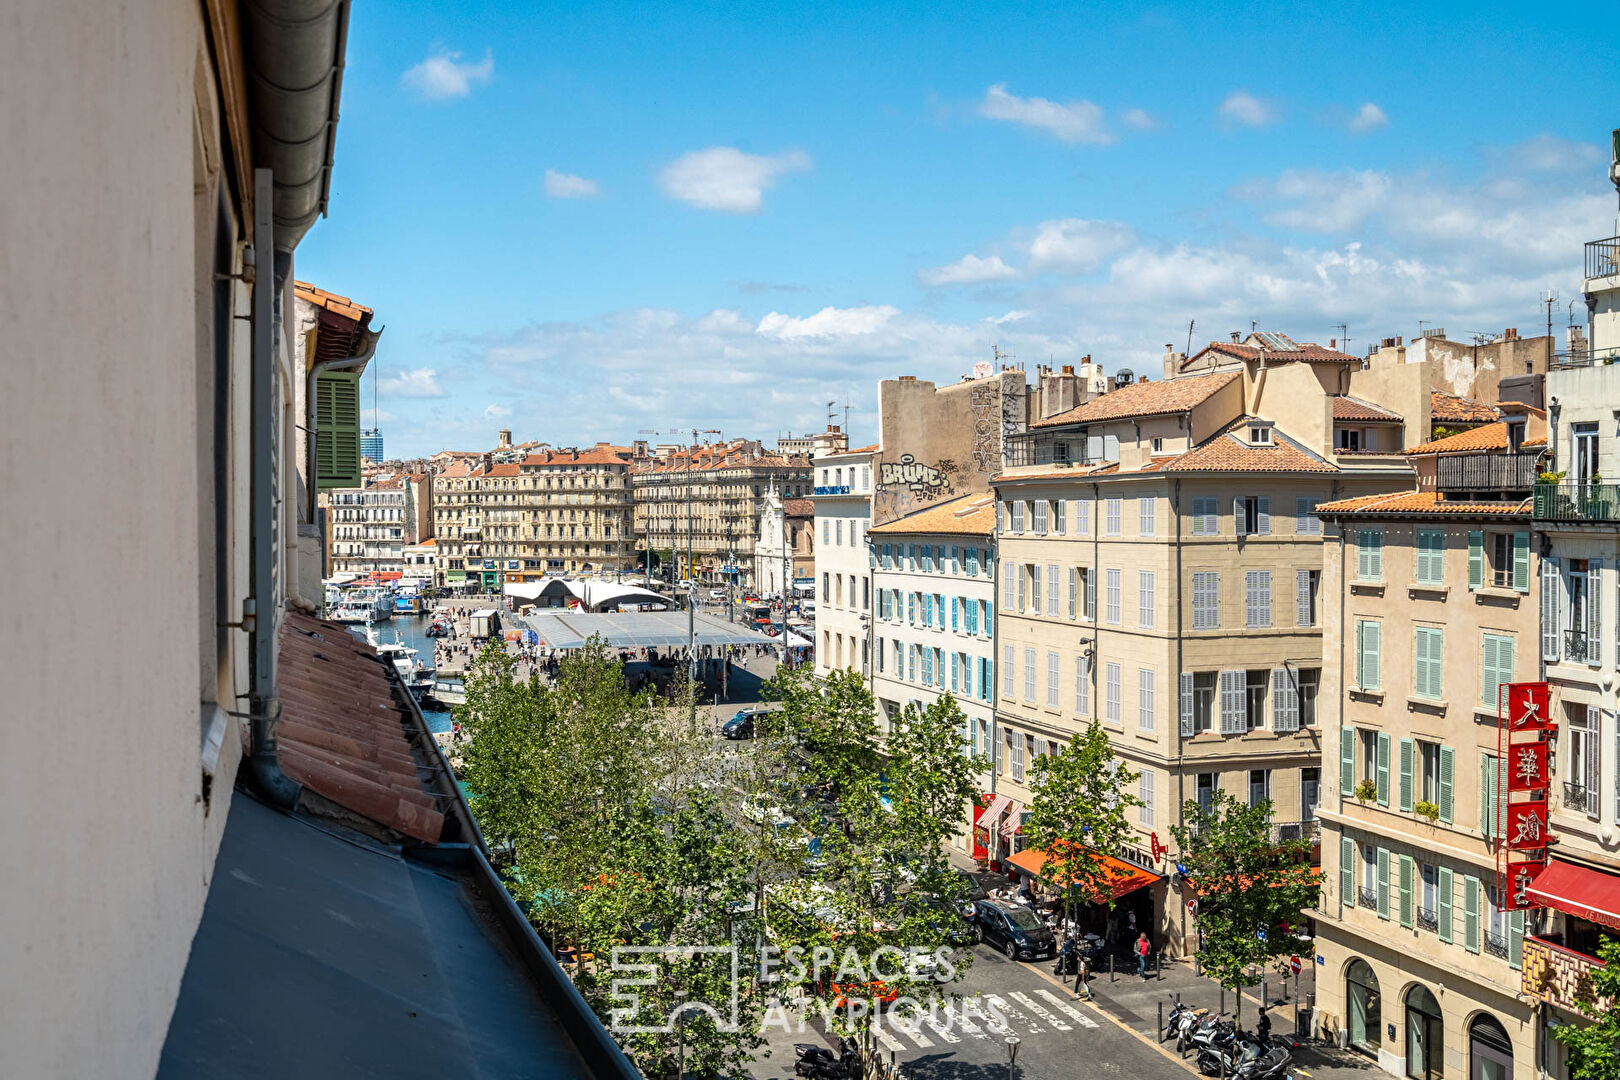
(1490, 1051)
(1425, 1037)
(1365, 1010)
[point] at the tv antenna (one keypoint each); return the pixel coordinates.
(1550, 299)
(1190, 324)
(1344, 336)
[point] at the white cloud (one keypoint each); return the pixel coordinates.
(968, 270)
(445, 75)
(1074, 121)
(421, 383)
(829, 322)
(1243, 108)
(1550, 153)
(561, 185)
(1368, 118)
(495, 411)
(1140, 119)
(1075, 244)
(725, 178)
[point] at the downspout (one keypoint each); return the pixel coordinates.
(264, 708)
(1343, 569)
(1181, 777)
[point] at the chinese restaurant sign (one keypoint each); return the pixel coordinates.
(1523, 749)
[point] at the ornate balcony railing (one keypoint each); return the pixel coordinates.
(1428, 920)
(1368, 898)
(1561, 977)
(1495, 944)
(1580, 647)
(1578, 797)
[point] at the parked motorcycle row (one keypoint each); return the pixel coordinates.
(1226, 1050)
(819, 1063)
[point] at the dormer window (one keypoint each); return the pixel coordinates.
(1260, 435)
(1515, 434)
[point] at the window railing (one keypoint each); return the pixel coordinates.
(1576, 502)
(1603, 257)
(1577, 796)
(1580, 647)
(1428, 920)
(1368, 897)
(1487, 472)
(1295, 830)
(1495, 944)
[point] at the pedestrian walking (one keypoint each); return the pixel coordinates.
(1143, 947)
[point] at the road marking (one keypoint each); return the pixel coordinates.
(886, 1039)
(1029, 1003)
(1066, 1009)
(1001, 1003)
(991, 1024)
(941, 1027)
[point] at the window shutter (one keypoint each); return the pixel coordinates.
(337, 430)
(1406, 776)
(1383, 768)
(1361, 655)
(1301, 520)
(1383, 883)
(1094, 448)
(1487, 795)
(1371, 667)
(1074, 578)
(1347, 762)
(1082, 686)
(1347, 871)
(1594, 616)
(1515, 936)
(1264, 517)
(954, 613)
(1284, 700)
(1405, 883)
(1237, 515)
(1187, 705)
(954, 675)
(1302, 586)
(1445, 887)
(1447, 764)
(1471, 913)
(1521, 561)
(1234, 720)
(1549, 609)
(1420, 662)
(1363, 557)
(1376, 554)
(1476, 559)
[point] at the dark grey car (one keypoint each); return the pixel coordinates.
(1012, 928)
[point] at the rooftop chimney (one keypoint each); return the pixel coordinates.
(1236, 336)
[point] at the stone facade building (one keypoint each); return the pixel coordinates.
(843, 569)
(785, 552)
(558, 513)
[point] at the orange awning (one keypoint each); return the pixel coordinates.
(1590, 894)
(1125, 877)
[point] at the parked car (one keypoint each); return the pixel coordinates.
(741, 725)
(1012, 928)
(717, 594)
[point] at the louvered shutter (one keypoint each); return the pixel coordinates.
(1363, 555)
(1476, 560)
(1549, 609)
(1521, 561)
(1094, 448)
(1284, 700)
(1302, 586)
(1347, 871)
(1594, 618)
(1347, 762)
(1405, 882)
(1233, 718)
(955, 683)
(1487, 795)
(1447, 758)
(1383, 768)
(1406, 776)
(1009, 595)
(1471, 913)
(1446, 887)
(1383, 883)
(1238, 516)
(1515, 936)
(1264, 517)
(337, 430)
(1187, 730)
(954, 614)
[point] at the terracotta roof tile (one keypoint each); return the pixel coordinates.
(1304, 350)
(337, 305)
(1487, 437)
(1229, 451)
(1420, 502)
(967, 515)
(866, 449)
(801, 508)
(1349, 408)
(343, 736)
(1451, 409)
(596, 455)
(508, 468)
(1144, 399)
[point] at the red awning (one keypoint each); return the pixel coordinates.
(1015, 818)
(1575, 890)
(1125, 877)
(998, 805)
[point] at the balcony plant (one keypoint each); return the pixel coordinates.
(1427, 810)
(1366, 791)
(1551, 477)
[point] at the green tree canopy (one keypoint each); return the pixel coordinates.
(1594, 1049)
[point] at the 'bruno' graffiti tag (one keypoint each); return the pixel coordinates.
(924, 481)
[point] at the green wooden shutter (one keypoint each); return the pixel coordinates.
(1406, 873)
(1521, 562)
(337, 430)
(1471, 914)
(1487, 796)
(1347, 762)
(1383, 883)
(1447, 764)
(1476, 560)
(1443, 906)
(1361, 653)
(1347, 871)
(1374, 640)
(1515, 929)
(1383, 768)
(1406, 776)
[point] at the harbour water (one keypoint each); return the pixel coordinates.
(412, 631)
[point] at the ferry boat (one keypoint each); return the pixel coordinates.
(417, 676)
(368, 603)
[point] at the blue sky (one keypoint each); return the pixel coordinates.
(582, 221)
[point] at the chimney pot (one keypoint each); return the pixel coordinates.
(1236, 336)
(1333, 343)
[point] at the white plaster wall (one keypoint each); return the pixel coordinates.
(107, 853)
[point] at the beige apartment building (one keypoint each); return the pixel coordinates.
(1433, 603)
(556, 513)
(704, 504)
(459, 558)
(1160, 571)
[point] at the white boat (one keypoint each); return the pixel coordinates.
(366, 604)
(417, 676)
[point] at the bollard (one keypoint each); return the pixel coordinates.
(1110, 967)
(1262, 989)
(1160, 1028)
(1223, 999)
(1158, 966)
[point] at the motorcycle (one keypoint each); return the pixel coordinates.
(1203, 1032)
(818, 1063)
(1181, 1021)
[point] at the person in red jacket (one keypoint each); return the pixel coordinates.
(1143, 947)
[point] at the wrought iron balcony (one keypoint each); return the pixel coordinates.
(1368, 898)
(1603, 257)
(1488, 472)
(1578, 797)
(1427, 920)
(1581, 647)
(1561, 977)
(1576, 502)
(1495, 944)
(1295, 830)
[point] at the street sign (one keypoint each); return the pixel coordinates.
(1294, 964)
(1192, 906)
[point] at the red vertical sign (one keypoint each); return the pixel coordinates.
(1522, 747)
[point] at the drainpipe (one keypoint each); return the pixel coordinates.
(1175, 685)
(1343, 569)
(264, 709)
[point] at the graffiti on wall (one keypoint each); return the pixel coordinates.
(986, 427)
(925, 482)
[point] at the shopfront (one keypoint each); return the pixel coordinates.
(1366, 1021)
(1425, 1035)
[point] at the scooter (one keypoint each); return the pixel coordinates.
(818, 1063)
(1203, 1032)
(1074, 950)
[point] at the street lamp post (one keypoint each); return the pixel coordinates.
(1012, 1055)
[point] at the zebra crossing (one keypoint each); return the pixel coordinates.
(980, 1017)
